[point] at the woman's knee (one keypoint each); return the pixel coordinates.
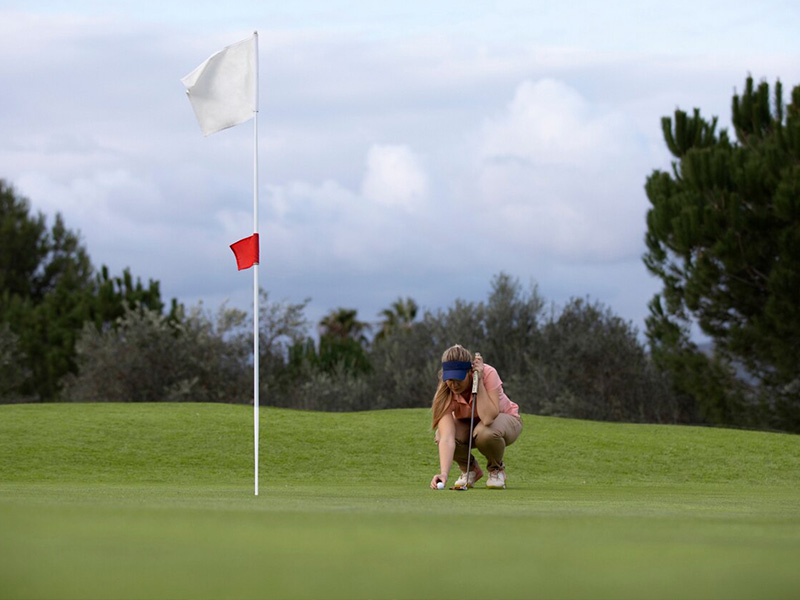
(487, 434)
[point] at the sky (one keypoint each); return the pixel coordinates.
(406, 149)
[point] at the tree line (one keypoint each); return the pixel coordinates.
(723, 234)
(71, 332)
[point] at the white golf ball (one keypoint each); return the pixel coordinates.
(440, 485)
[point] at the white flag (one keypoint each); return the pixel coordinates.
(223, 89)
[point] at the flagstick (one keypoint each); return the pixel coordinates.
(255, 273)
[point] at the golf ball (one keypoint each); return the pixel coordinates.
(440, 485)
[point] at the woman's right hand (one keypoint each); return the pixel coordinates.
(436, 479)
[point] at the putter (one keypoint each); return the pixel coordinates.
(465, 487)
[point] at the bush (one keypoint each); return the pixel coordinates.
(512, 322)
(581, 361)
(13, 372)
(589, 364)
(148, 357)
(404, 367)
(337, 390)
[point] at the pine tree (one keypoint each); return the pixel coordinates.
(723, 234)
(48, 290)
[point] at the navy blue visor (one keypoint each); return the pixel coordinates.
(455, 369)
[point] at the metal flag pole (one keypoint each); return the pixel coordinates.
(214, 91)
(255, 270)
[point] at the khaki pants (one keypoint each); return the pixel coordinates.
(491, 440)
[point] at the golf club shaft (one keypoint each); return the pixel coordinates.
(472, 418)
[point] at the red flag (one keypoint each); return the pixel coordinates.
(246, 252)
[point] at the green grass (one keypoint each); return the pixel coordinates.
(156, 501)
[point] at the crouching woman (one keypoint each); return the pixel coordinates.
(497, 422)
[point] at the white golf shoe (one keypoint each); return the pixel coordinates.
(497, 480)
(464, 481)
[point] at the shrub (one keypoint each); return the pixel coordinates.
(149, 357)
(12, 365)
(589, 364)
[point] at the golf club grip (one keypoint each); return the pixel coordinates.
(475, 379)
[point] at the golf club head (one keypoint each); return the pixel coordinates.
(460, 488)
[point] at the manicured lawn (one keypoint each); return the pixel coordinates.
(156, 501)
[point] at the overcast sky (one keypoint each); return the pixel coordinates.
(406, 148)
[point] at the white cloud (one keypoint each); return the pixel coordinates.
(329, 227)
(385, 152)
(562, 176)
(100, 202)
(395, 177)
(549, 122)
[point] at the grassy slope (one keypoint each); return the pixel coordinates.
(156, 501)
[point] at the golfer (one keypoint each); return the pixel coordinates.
(497, 423)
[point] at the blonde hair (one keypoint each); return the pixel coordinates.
(441, 399)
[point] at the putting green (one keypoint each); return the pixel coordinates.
(156, 501)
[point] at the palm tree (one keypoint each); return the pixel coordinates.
(400, 315)
(342, 324)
